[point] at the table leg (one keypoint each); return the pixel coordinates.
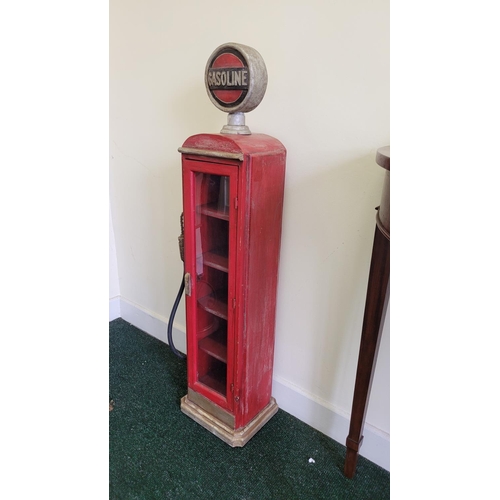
(375, 308)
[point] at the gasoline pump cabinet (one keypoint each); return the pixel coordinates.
(233, 185)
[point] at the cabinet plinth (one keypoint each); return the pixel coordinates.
(233, 201)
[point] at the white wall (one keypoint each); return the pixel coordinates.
(328, 102)
(114, 283)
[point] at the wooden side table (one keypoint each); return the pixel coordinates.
(373, 321)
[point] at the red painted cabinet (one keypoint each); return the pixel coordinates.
(232, 200)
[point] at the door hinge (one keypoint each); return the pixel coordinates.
(236, 203)
(235, 393)
(187, 284)
(234, 303)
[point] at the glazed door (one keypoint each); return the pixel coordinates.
(210, 191)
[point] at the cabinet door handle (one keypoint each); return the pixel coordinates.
(187, 284)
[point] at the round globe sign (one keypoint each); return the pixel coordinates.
(235, 78)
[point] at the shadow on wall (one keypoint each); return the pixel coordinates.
(329, 222)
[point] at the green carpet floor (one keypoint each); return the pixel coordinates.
(155, 451)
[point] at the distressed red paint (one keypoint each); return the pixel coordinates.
(255, 168)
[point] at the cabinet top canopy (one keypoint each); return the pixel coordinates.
(231, 146)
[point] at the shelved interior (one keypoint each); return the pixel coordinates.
(212, 267)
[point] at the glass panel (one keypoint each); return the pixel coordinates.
(212, 256)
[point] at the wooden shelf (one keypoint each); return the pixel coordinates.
(212, 210)
(215, 345)
(215, 382)
(214, 306)
(217, 261)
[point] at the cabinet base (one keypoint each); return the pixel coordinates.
(233, 437)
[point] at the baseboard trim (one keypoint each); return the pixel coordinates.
(306, 407)
(114, 308)
(321, 416)
(152, 323)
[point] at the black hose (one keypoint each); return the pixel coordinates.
(171, 322)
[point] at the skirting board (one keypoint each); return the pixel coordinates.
(316, 413)
(114, 308)
(302, 405)
(152, 323)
